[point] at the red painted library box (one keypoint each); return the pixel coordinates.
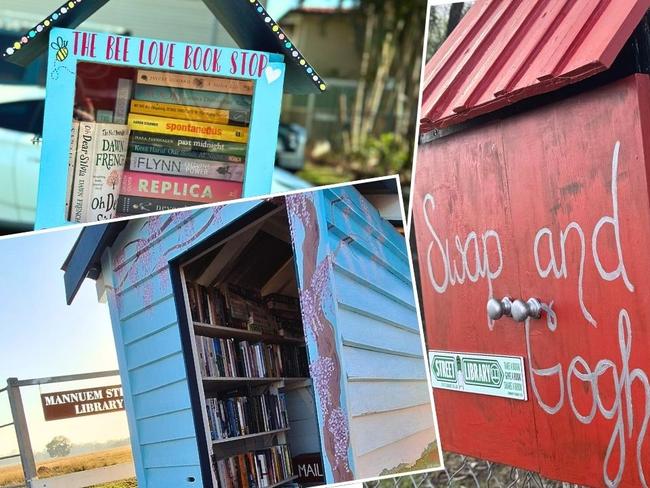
(532, 224)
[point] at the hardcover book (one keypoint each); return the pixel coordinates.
(178, 127)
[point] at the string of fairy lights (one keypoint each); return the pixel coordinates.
(286, 43)
(44, 25)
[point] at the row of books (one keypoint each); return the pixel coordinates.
(229, 358)
(244, 415)
(188, 143)
(95, 165)
(172, 140)
(255, 469)
(231, 306)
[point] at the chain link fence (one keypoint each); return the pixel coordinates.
(465, 472)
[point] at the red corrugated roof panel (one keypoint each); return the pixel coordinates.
(506, 50)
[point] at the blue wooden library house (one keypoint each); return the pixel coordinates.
(359, 404)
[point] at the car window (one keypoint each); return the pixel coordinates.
(25, 116)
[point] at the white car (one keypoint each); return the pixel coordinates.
(21, 122)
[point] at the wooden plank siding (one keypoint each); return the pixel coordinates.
(374, 327)
(381, 349)
(147, 337)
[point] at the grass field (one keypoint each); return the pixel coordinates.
(13, 475)
(132, 483)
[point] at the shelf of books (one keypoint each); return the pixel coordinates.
(250, 355)
(145, 141)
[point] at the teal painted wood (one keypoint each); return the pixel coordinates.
(364, 275)
(147, 338)
(59, 103)
(313, 259)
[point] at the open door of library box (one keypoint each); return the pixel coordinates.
(363, 405)
(134, 125)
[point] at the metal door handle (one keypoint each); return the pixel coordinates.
(498, 308)
(522, 310)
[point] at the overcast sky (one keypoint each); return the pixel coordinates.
(41, 336)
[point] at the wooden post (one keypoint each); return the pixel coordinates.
(22, 433)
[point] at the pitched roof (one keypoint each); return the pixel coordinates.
(503, 51)
(247, 22)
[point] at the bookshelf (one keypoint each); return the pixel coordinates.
(249, 354)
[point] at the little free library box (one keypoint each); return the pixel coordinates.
(267, 342)
(135, 125)
(532, 218)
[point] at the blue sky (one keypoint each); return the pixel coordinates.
(41, 336)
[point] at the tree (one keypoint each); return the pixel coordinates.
(59, 446)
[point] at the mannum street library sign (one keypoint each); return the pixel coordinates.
(81, 403)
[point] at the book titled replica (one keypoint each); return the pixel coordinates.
(99, 164)
(178, 188)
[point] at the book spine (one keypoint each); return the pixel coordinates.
(208, 83)
(179, 188)
(213, 170)
(189, 146)
(122, 97)
(108, 162)
(186, 112)
(132, 205)
(183, 153)
(194, 98)
(82, 172)
(161, 125)
(72, 158)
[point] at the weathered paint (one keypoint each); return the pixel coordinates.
(503, 51)
(551, 204)
(147, 339)
(363, 335)
(353, 340)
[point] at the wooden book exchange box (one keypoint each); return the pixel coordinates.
(135, 125)
(532, 219)
(353, 394)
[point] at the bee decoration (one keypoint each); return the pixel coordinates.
(61, 48)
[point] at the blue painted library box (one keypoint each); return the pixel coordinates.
(362, 405)
(95, 78)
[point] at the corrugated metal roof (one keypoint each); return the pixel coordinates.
(503, 51)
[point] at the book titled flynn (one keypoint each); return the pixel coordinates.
(151, 163)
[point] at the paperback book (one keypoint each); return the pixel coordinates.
(178, 166)
(178, 127)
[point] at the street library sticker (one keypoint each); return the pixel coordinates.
(484, 374)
